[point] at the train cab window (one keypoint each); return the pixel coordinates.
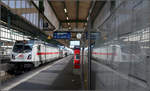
(77, 56)
(27, 48)
(22, 48)
(18, 48)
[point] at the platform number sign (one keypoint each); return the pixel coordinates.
(93, 35)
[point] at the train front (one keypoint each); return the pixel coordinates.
(22, 54)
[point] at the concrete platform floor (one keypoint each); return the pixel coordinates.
(57, 76)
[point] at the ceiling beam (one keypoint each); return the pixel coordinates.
(25, 10)
(77, 13)
(96, 10)
(72, 31)
(73, 21)
(64, 3)
(50, 4)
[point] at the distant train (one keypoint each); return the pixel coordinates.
(114, 54)
(32, 53)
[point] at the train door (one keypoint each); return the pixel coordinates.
(113, 53)
(113, 57)
(45, 52)
(60, 53)
(39, 51)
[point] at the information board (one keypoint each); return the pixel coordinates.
(93, 35)
(61, 35)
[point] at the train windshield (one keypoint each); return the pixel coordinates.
(22, 48)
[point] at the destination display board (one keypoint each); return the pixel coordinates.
(61, 35)
(93, 35)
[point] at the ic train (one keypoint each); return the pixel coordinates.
(32, 53)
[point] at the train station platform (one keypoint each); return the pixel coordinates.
(56, 76)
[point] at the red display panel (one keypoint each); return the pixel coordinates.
(76, 58)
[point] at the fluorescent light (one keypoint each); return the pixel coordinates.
(87, 18)
(85, 24)
(65, 10)
(67, 18)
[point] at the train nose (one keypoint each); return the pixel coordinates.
(21, 56)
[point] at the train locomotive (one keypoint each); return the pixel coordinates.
(33, 53)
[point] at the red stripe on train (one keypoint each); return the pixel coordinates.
(96, 53)
(48, 53)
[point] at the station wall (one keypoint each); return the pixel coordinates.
(125, 31)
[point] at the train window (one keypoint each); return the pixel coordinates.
(77, 56)
(18, 48)
(22, 48)
(27, 48)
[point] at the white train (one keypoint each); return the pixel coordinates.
(114, 54)
(32, 53)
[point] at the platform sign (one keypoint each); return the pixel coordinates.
(61, 35)
(49, 37)
(93, 35)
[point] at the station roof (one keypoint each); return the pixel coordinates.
(71, 13)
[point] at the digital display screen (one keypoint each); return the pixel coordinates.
(61, 35)
(93, 36)
(74, 43)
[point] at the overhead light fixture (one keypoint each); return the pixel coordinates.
(87, 18)
(65, 10)
(85, 24)
(67, 18)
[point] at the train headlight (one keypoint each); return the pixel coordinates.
(29, 56)
(13, 57)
